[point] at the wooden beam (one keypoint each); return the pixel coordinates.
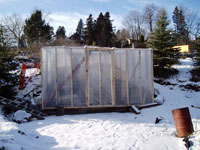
(132, 49)
(152, 76)
(113, 77)
(87, 77)
(100, 102)
(42, 75)
(56, 65)
(71, 79)
(135, 109)
(140, 78)
(127, 91)
(148, 105)
(86, 110)
(99, 48)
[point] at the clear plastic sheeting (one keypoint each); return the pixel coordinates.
(95, 76)
(49, 77)
(79, 77)
(146, 77)
(120, 77)
(94, 62)
(64, 76)
(106, 96)
(134, 79)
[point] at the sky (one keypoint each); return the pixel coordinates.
(67, 13)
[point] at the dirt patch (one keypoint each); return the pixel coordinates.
(194, 87)
(162, 82)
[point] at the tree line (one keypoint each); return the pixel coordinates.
(138, 26)
(96, 32)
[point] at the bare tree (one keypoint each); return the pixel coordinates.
(123, 34)
(197, 30)
(15, 25)
(191, 18)
(150, 13)
(134, 22)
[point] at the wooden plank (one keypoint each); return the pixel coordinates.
(99, 48)
(100, 78)
(152, 77)
(140, 78)
(132, 49)
(56, 65)
(135, 109)
(18, 105)
(127, 91)
(113, 77)
(85, 110)
(41, 60)
(87, 75)
(71, 79)
(91, 106)
(148, 105)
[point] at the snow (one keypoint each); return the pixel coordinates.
(110, 131)
(21, 116)
(32, 72)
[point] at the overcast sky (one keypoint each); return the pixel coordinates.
(68, 12)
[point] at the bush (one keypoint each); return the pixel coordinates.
(195, 74)
(9, 76)
(164, 72)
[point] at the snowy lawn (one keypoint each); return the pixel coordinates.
(104, 131)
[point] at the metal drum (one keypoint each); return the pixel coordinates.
(183, 122)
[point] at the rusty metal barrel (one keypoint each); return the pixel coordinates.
(183, 122)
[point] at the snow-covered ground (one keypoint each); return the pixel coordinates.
(104, 131)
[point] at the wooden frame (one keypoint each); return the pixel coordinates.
(42, 92)
(127, 86)
(112, 77)
(56, 66)
(71, 78)
(152, 76)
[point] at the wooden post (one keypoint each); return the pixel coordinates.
(113, 77)
(140, 77)
(56, 65)
(127, 91)
(42, 67)
(100, 78)
(71, 79)
(152, 76)
(87, 75)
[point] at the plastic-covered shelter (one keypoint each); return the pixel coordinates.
(96, 77)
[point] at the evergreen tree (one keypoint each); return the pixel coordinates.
(179, 25)
(108, 31)
(89, 31)
(104, 31)
(8, 80)
(161, 41)
(36, 30)
(161, 38)
(100, 30)
(60, 32)
(80, 31)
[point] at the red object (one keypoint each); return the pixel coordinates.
(22, 77)
(32, 65)
(22, 81)
(183, 122)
